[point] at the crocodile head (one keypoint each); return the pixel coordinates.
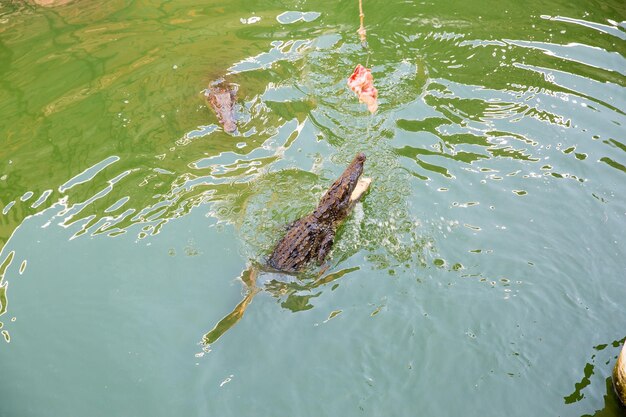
(221, 98)
(336, 204)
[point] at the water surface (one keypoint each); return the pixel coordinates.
(483, 274)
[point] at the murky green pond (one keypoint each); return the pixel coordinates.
(483, 275)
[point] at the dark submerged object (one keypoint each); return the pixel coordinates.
(311, 237)
(221, 98)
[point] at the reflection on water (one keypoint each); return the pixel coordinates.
(612, 404)
(293, 293)
(497, 151)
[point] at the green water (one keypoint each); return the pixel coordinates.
(483, 274)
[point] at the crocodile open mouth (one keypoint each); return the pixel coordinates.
(361, 187)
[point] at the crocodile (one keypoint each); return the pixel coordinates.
(311, 237)
(308, 239)
(221, 98)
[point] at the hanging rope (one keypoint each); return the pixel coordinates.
(361, 30)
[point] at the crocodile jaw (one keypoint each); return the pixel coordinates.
(361, 187)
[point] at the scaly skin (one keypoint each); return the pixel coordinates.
(311, 237)
(221, 98)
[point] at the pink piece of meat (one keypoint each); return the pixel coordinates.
(362, 83)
